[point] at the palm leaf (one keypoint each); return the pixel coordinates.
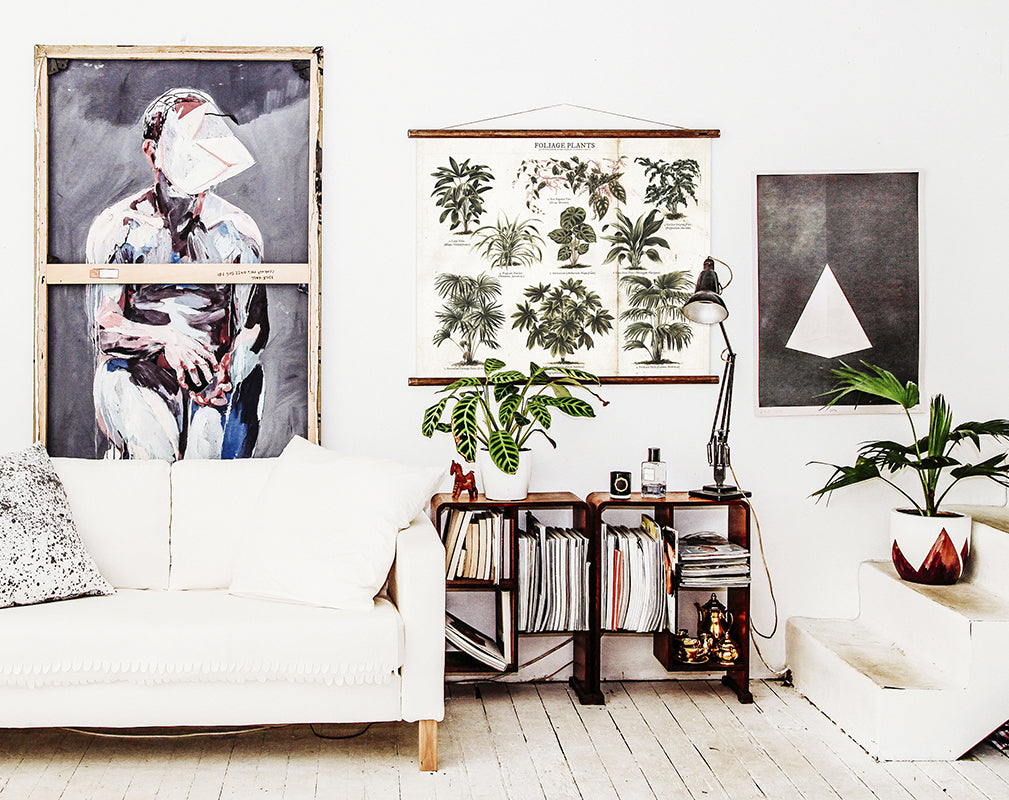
(874, 381)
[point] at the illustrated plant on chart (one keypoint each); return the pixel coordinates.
(459, 188)
(470, 316)
(671, 185)
(655, 314)
(599, 179)
(562, 319)
(509, 243)
(574, 236)
(633, 241)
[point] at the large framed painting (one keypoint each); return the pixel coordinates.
(177, 250)
(837, 282)
(569, 248)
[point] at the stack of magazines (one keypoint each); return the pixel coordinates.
(553, 578)
(496, 654)
(709, 559)
(634, 576)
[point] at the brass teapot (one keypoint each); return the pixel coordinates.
(714, 618)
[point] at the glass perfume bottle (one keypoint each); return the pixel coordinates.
(653, 475)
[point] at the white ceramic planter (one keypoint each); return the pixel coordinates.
(930, 550)
(498, 485)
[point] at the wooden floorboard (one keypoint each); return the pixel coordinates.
(667, 740)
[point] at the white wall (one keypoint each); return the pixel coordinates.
(793, 86)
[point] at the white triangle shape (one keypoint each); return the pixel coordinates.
(828, 326)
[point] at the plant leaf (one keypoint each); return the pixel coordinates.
(432, 416)
(504, 452)
(492, 365)
(464, 425)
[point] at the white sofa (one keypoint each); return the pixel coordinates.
(173, 648)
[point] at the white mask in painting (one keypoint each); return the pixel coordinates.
(197, 150)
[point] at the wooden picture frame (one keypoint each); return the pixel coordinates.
(196, 218)
(616, 181)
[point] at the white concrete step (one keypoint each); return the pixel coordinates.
(916, 616)
(921, 673)
(871, 689)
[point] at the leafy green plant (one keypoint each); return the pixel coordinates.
(574, 236)
(471, 316)
(509, 243)
(929, 457)
(562, 319)
(459, 188)
(670, 185)
(655, 316)
(503, 409)
(633, 241)
(600, 180)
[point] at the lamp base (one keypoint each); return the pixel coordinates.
(719, 491)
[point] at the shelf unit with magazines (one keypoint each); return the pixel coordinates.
(495, 554)
(588, 649)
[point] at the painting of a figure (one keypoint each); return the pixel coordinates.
(193, 369)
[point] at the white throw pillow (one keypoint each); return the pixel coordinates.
(41, 554)
(326, 531)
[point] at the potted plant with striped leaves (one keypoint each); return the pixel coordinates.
(493, 418)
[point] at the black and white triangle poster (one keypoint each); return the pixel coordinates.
(837, 281)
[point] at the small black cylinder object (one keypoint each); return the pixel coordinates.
(653, 454)
(620, 485)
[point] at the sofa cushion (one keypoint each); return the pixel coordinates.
(214, 504)
(122, 509)
(41, 554)
(326, 530)
(153, 637)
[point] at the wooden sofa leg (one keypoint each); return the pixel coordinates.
(427, 740)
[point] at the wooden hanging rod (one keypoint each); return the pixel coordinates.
(657, 133)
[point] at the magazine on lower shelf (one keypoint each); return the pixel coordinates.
(469, 640)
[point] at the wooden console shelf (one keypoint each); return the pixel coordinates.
(587, 647)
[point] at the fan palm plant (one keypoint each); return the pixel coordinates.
(656, 322)
(928, 457)
(633, 241)
(509, 243)
(471, 316)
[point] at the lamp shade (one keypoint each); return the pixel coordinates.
(705, 305)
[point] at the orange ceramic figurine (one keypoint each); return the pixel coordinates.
(462, 481)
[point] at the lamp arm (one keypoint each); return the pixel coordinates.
(718, 444)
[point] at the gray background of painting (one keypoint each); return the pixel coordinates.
(95, 108)
(865, 226)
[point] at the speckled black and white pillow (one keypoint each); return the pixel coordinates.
(41, 554)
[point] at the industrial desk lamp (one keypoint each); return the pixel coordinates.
(706, 307)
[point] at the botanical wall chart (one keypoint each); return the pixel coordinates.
(177, 250)
(562, 248)
(837, 281)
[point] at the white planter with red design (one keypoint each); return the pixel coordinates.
(930, 550)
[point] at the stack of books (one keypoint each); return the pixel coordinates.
(477, 544)
(553, 578)
(708, 559)
(635, 574)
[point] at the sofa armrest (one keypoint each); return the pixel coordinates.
(417, 587)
